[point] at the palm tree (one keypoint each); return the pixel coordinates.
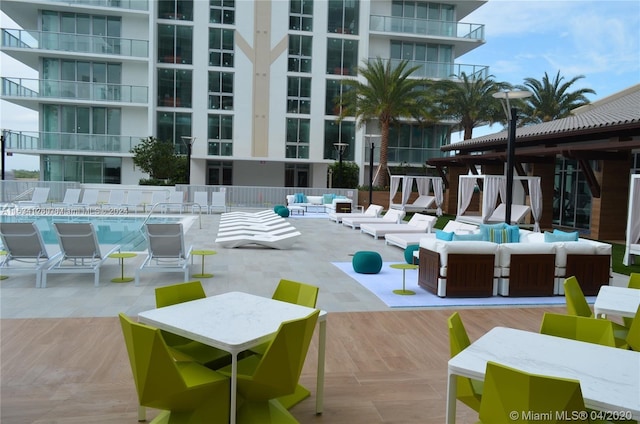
(388, 95)
(552, 99)
(470, 102)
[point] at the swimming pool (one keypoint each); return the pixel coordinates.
(125, 231)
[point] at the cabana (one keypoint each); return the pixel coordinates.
(494, 186)
(632, 244)
(424, 184)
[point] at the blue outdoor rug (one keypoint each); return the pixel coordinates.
(389, 279)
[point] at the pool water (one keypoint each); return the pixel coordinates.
(125, 231)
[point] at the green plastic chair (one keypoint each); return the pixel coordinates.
(634, 280)
(633, 336)
(262, 379)
(507, 390)
(184, 292)
(297, 293)
(186, 391)
(469, 391)
(598, 331)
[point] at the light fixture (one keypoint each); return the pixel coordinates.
(188, 142)
(371, 152)
(512, 118)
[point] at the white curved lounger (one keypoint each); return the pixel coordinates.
(418, 223)
(284, 241)
(255, 231)
(258, 224)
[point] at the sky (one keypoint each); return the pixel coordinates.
(524, 39)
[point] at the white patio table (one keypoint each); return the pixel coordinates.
(619, 301)
(609, 377)
(235, 322)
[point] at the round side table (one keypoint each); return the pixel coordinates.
(404, 268)
(203, 253)
(121, 256)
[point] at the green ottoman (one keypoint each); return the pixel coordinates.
(366, 262)
(276, 208)
(283, 212)
(408, 254)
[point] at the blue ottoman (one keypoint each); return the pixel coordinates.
(408, 254)
(366, 262)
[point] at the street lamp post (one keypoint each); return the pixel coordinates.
(341, 148)
(371, 157)
(188, 142)
(512, 118)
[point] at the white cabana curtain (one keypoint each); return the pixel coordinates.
(407, 185)
(633, 220)
(466, 193)
(423, 185)
(438, 194)
(492, 186)
(535, 196)
(393, 188)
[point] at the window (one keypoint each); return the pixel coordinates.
(175, 44)
(415, 144)
(67, 26)
(83, 169)
(435, 60)
(300, 48)
(296, 175)
(220, 134)
(81, 80)
(339, 132)
(572, 197)
(174, 87)
(333, 97)
(221, 47)
(222, 12)
(297, 138)
(175, 9)
(343, 16)
(220, 90)
(299, 95)
(301, 15)
(342, 56)
(423, 18)
(172, 126)
(220, 173)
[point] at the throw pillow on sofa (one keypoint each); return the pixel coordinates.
(485, 228)
(560, 236)
(468, 237)
(572, 235)
(443, 235)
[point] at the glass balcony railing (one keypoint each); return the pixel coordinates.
(426, 27)
(121, 4)
(88, 143)
(54, 89)
(79, 43)
(441, 70)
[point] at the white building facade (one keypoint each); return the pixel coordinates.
(252, 83)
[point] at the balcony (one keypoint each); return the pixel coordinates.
(76, 43)
(29, 141)
(28, 88)
(426, 27)
(142, 5)
(440, 70)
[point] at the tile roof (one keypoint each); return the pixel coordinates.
(618, 110)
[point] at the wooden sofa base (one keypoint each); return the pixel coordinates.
(532, 275)
(592, 271)
(467, 275)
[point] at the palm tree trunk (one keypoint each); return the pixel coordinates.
(382, 179)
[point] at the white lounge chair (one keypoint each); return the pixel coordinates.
(218, 201)
(71, 198)
(200, 202)
(175, 202)
(255, 226)
(116, 199)
(39, 198)
(421, 204)
(80, 251)
(25, 250)
(166, 250)
(418, 223)
(134, 200)
(278, 241)
(403, 240)
(518, 215)
(371, 211)
(390, 217)
(89, 197)
(252, 230)
(259, 214)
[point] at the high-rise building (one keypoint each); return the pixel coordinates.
(252, 84)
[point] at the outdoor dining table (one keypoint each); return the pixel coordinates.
(235, 322)
(609, 377)
(618, 301)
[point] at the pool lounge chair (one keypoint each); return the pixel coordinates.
(254, 231)
(89, 198)
(71, 199)
(166, 250)
(175, 203)
(518, 215)
(418, 223)
(38, 198)
(371, 211)
(116, 199)
(200, 202)
(421, 204)
(80, 251)
(134, 200)
(403, 240)
(274, 241)
(392, 216)
(218, 202)
(25, 248)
